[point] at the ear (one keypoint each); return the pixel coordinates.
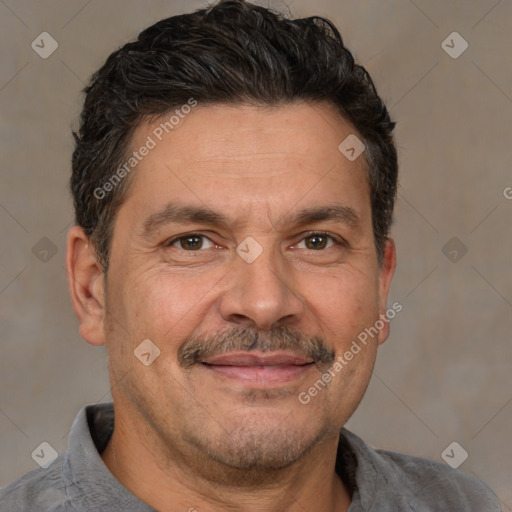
(386, 271)
(85, 280)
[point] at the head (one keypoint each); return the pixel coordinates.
(217, 216)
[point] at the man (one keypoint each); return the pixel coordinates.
(234, 179)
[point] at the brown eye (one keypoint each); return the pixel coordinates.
(192, 242)
(317, 242)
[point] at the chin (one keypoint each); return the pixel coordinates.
(259, 442)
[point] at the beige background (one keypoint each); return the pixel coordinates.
(445, 373)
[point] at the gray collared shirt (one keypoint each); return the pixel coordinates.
(380, 481)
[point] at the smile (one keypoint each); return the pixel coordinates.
(262, 370)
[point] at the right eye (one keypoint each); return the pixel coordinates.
(191, 242)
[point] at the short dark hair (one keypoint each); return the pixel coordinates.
(233, 52)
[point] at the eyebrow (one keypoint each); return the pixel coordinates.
(177, 214)
(337, 213)
(173, 213)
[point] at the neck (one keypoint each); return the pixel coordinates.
(171, 478)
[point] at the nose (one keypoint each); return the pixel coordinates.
(260, 294)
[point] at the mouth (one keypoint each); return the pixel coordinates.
(259, 369)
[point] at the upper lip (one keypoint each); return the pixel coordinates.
(252, 359)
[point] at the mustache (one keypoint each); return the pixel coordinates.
(198, 347)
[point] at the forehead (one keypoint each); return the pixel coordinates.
(233, 156)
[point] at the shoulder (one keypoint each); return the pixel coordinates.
(40, 490)
(420, 484)
(434, 482)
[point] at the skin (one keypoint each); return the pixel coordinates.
(194, 439)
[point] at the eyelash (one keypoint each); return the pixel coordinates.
(171, 242)
(336, 241)
(339, 242)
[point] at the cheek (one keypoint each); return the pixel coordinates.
(347, 307)
(343, 304)
(162, 305)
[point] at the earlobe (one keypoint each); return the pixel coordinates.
(85, 281)
(386, 272)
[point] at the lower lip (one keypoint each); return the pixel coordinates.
(270, 375)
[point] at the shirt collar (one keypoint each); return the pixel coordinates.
(90, 483)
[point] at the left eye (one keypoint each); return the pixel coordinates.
(317, 242)
(192, 242)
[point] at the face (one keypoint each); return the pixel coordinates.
(244, 251)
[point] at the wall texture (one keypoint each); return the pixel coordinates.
(444, 375)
